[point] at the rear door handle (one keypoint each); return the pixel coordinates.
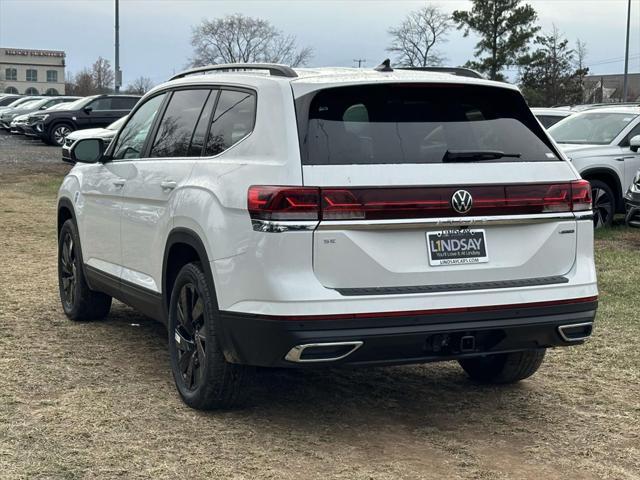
(119, 182)
(168, 185)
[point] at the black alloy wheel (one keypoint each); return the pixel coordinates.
(68, 270)
(79, 302)
(190, 337)
(603, 204)
(59, 134)
(204, 378)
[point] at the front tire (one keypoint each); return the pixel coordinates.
(204, 379)
(503, 367)
(58, 133)
(79, 302)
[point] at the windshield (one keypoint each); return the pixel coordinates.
(117, 124)
(29, 104)
(60, 106)
(82, 102)
(596, 128)
(37, 103)
(419, 123)
(21, 101)
(72, 105)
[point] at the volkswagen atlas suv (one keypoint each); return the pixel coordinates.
(314, 217)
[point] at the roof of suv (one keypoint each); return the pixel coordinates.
(329, 76)
(632, 110)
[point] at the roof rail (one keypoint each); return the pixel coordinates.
(273, 68)
(460, 71)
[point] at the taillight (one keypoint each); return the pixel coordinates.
(284, 203)
(366, 203)
(581, 195)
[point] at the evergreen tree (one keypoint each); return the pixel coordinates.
(504, 27)
(551, 75)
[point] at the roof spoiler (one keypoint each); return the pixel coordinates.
(459, 71)
(273, 69)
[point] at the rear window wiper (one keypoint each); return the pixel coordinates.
(476, 155)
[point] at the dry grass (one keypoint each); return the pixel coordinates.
(96, 400)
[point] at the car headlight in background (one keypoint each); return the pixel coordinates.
(635, 186)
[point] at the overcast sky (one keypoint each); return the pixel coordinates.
(154, 34)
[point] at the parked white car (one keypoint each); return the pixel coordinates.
(603, 145)
(287, 218)
(106, 134)
(550, 116)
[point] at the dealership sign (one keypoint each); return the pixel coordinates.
(34, 53)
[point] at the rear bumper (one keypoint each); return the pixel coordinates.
(632, 206)
(410, 338)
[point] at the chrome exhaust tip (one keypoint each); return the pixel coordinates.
(322, 352)
(575, 332)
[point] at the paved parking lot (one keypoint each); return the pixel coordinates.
(89, 400)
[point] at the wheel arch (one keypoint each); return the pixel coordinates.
(183, 246)
(65, 212)
(611, 178)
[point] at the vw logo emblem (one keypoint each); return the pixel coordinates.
(461, 201)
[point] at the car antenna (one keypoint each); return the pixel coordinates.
(385, 66)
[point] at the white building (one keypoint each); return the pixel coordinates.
(31, 72)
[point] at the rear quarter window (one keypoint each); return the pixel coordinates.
(416, 123)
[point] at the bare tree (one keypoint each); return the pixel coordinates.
(240, 39)
(140, 85)
(81, 84)
(416, 38)
(103, 76)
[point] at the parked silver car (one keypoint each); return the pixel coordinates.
(603, 145)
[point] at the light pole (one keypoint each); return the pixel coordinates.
(626, 56)
(118, 80)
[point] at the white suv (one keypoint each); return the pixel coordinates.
(602, 143)
(280, 218)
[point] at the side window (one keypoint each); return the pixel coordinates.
(123, 103)
(634, 131)
(200, 133)
(133, 135)
(233, 120)
(99, 104)
(177, 125)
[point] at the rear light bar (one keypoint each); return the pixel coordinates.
(315, 203)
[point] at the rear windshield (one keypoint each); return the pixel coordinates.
(417, 123)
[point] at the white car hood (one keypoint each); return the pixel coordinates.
(582, 150)
(91, 133)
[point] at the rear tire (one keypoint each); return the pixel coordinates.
(204, 379)
(504, 367)
(79, 302)
(604, 204)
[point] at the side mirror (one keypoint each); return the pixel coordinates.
(634, 143)
(88, 110)
(44, 107)
(87, 150)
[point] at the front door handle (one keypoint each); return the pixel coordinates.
(168, 185)
(119, 182)
(622, 159)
